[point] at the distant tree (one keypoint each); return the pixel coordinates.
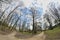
(10, 18)
(11, 13)
(48, 20)
(16, 22)
(54, 11)
(3, 13)
(6, 1)
(23, 25)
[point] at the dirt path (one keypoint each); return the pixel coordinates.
(40, 36)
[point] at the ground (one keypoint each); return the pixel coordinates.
(11, 36)
(44, 35)
(53, 34)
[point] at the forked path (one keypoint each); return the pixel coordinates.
(40, 36)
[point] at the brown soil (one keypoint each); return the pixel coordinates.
(11, 36)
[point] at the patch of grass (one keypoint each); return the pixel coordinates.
(53, 34)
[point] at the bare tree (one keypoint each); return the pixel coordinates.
(33, 10)
(54, 11)
(3, 12)
(10, 18)
(23, 25)
(48, 20)
(15, 24)
(11, 13)
(6, 1)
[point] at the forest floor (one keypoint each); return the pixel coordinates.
(11, 36)
(45, 35)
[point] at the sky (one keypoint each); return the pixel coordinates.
(38, 3)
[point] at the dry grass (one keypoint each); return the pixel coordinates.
(53, 34)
